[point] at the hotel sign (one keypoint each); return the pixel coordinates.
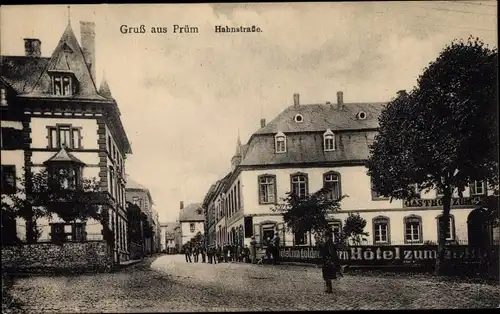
(388, 255)
(455, 202)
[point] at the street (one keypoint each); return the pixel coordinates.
(171, 284)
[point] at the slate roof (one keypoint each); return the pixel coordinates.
(304, 141)
(319, 117)
(64, 156)
(21, 73)
(133, 185)
(189, 213)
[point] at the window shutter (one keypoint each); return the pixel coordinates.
(256, 233)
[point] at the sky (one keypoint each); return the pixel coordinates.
(184, 98)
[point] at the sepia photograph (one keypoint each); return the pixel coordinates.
(231, 157)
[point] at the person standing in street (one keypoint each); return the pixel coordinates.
(187, 253)
(269, 249)
(328, 253)
(195, 253)
(276, 248)
(203, 254)
(218, 254)
(209, 254)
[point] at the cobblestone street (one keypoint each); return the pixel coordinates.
(170, 284)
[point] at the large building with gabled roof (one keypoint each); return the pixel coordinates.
(54, 111)
(311, 146)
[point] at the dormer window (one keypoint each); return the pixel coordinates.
(329, 140)
(3, 97)
(280, 142)
(62, 85)
(299, 118)
(361, 115)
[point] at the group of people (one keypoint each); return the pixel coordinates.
(217, 254)
(238, 253)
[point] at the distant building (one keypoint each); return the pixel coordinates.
(311, 146)
(167, 236)
(139, 195)
(191, 220)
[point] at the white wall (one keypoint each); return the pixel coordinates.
(186, 232)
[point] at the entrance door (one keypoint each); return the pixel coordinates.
(478, 229)
(267, 232)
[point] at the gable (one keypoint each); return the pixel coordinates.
(67, 58)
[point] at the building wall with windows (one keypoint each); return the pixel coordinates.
(308, 147)
(189, 229)
(61, 112)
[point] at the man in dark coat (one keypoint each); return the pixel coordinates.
(187, 253)
(328, 253)
(203, 254)
(276, 248)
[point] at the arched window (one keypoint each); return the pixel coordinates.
(331, 181)
(413, 229)
(280, 142)
(329, 141)
(381, 230)
(299, 184)
(449, 227)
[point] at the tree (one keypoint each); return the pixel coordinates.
(443, 134)
(309, 213)
(37, 198)
(353, 230)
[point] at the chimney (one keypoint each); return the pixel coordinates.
(32, 47)
(182, 205)
(296, 100)
(87, 36)
(340, 100)
(328, 103)
(262, 122)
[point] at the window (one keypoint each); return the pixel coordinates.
(64, 134)
(298, 118)
(331, 181)
(57, 232)
(329, 141)
(449, 227)
(267, 189)
(67, 178)
(413, 229)
(191, 227)
(136, 200)
(299, 185)
(375, 194)
(477, 188)
(3, 97)
(361, 115)
(380, 230)
(336, 227)
(280, 143)
(8, 179)
(300, 238)
(78, 232)
(62, 85)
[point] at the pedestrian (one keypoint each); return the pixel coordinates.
(214, 254)
(203, 255)
(330, 261)
(246, 254)
(218, 254)
(195, 253)
(276, 248)
(269, 249)
(209, 254)
(187, 253)
(238, 253)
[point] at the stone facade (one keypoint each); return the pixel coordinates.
(68, 257)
